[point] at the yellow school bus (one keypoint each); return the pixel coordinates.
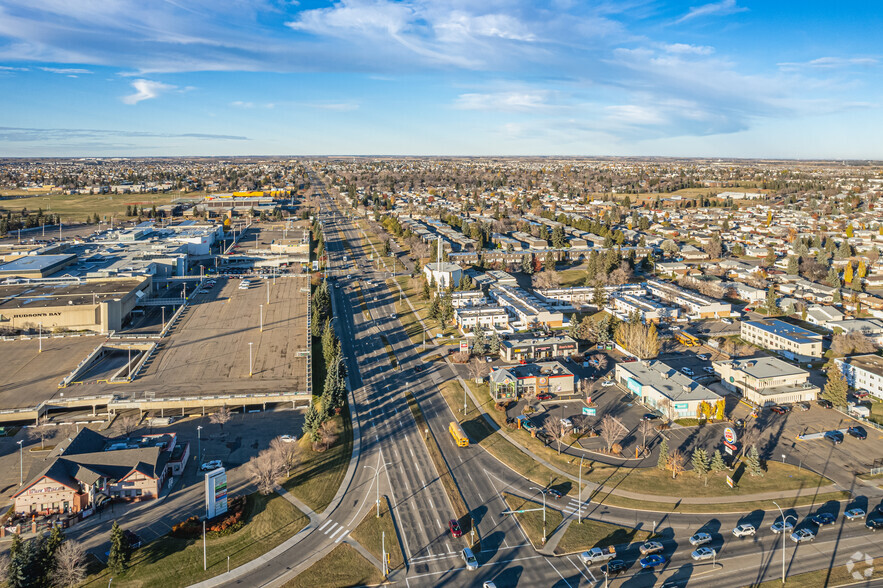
(457, 433)
(687, 339)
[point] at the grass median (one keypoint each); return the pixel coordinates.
(172, 561)
(344, 566)
(581, 536)
(369, 534)
(531, 522)
(390, 353)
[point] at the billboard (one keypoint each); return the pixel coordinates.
(634, 386)
(215, 492)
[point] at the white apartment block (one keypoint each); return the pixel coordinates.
(787, 339)
(696, 304)
(488, 317)
(863, 372)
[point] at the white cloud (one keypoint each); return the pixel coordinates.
(830, 63)
(68, 71)
(522, 101)
(722, 8)
(337, 106)
(686, 49)
(240, 104)
(145, 90)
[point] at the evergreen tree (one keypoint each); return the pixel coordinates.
(15, 573)
(833, 277)
(494, 343)
(771, 306)
(752, 463)
(55, 539)
(838, 298)
(424, 295)
(599, 296)
(120, 550)
(446, 308)
(329, 342)
(662, 461)
(717, 462)
(836, 386)
(312, 420)
(527, 264)
(700, 463)
(479, 343)
(793, 265)
(434, 310)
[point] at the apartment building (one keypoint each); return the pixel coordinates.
(525, 309)
(467, 298)
(650, 311)
(766, 381)
(696, 304)
(863, 372)
(488, 317)
(784, 338)
(525, 347)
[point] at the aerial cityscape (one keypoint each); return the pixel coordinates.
(507, 294)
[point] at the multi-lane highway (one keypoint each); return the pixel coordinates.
(392, 453)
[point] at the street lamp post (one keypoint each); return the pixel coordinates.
(21, 463)
(40, 337)
(262, 318)
(543, 492)
(377, 469)
(579, 493)
(784, 521)
(249, 358)
(199, 442)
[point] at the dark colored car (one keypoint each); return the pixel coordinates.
(614, 568)
(778, 410)
(651, 561)
(544, 397)
(857, 432)
(553, 493)
(825, 403)
(874, 524)
(835, 437)
(454, 526)
(418, 368)
(824, 518)
(650, 416)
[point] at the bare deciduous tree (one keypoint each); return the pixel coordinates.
(70, 564)
(42, 432)
(128, 424)
(555, 429)
(265, 469)
(4, 568)
(600, 360)
(545, 279)
(477, 368)
(675, 463)
(221, 417)
(460, 357)
(288, 453)
(645, 428)
(612, 430)
(326, 434)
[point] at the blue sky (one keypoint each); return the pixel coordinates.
(729, 78)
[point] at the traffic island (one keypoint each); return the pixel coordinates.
(529, 515)
(581, 536)
(380, 536)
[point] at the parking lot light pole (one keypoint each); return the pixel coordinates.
(262, 318)
(784, 521)
(579, 494)
(249, 359)
(543, 492)
(21, 463)
(199, 442)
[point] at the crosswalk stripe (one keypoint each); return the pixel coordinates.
(342, 535)
(325, 524)
(330, 528)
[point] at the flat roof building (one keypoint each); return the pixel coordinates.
(765, 381)
(664, 388)
(697, 304)
(523, 347)
(37, 266)
(549, 377)
(789, 340)
(863, 372)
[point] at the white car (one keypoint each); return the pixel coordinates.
(288, 438)
(567, 423)
(703, 553)
(700, 539)
(744, 530)
(726, 321)
(780, 526)
(469, 558)
(802, 535)
(687, 371)
(854, 513)
(211, 465)
(608, 383)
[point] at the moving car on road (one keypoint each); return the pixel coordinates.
(469, 558)
(874, 524)
(824, 518)
(703, 553)
(454, 526)
(597, 554)
(744, 530)
(651, 561)
(802, 535)
(854, 513)
(700, 539)
(614, 568)
(780, 526)
(650, 547)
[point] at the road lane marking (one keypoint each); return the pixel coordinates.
(559, 573)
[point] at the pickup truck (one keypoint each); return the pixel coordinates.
(597, 555)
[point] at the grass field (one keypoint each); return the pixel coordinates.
(79, 207)
(838, 576)
(587, 534)
(877, 412)
(170, 561)
(317, 477)
(368, 533)
(532, 522)
(341, 568)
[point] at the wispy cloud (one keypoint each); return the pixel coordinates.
(68, 71)
(513, 101)
(722, 8)
(830, 63)
(338, 106)
(33, 134)
(686, 49)
(146, 89)
(8, 68)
